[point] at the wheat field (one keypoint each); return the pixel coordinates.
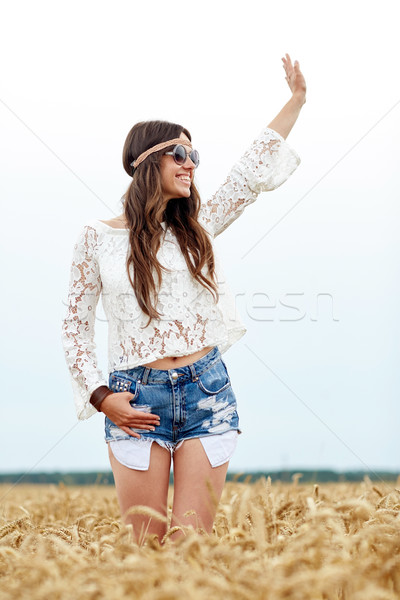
(270, 541)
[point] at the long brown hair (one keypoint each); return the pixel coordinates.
(145, 209)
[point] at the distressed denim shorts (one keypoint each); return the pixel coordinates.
(195, 401)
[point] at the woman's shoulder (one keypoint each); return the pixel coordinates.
(115, 223)
(99, 228)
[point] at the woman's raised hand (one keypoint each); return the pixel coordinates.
(117, 408)
(294, 77)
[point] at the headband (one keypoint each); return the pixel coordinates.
(161, 146)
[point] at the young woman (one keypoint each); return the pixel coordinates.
(170, 317)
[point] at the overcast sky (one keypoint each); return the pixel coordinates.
(314, 265)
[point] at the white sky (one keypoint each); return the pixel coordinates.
(315, 388)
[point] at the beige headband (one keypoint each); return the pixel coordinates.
(161, 146)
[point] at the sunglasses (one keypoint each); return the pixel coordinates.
(180, 155)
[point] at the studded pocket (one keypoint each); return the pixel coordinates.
(119, 383)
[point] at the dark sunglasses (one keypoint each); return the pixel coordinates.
(180, 155)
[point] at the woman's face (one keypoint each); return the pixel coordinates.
(176, 179)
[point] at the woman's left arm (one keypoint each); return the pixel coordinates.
(287, 117)
(266, 164)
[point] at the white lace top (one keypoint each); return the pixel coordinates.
(191, 320)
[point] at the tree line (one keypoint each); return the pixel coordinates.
(106, 477)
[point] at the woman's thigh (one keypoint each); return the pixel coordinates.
(144, 488)
(197, 486)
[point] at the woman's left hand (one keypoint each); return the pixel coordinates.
(294, 77)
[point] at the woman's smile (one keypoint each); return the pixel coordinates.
(176, 179)
(184, 178)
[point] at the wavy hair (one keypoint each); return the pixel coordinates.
(145, 209)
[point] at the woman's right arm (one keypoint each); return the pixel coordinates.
(91, 392)
(78, 325)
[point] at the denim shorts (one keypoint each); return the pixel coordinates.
(195, 401)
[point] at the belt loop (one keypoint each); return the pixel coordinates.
(145, 375)
(193, 372)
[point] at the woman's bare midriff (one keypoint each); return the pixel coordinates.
(174, 362)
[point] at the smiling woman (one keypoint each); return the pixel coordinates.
(177, 177)
(154, 197)
(170, 316)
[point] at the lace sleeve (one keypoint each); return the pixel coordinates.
(263, 167)
(78, 325)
